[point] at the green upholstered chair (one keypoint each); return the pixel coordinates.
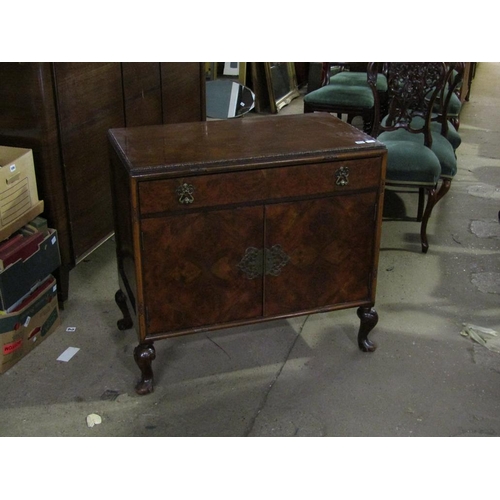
(416, 158)
(441, 123)
(448, 105)
(347, 92)
(450, 98)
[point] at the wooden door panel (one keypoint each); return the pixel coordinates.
(90, 101)
(190, 269)
(183, 92)
(329, 243)
(142, 93)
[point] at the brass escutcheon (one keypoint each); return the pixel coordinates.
(185, 192)
(252, 263)
(276, 259)
(342, 175)
(269, 261)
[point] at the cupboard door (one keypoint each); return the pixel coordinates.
(330, 246)
(191, 273)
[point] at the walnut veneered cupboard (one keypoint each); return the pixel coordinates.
(225, 223)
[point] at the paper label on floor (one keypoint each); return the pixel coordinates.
(68, 354)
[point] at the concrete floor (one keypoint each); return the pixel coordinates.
(305, 376)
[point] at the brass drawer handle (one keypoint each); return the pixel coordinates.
(342, 175)
(185, 192)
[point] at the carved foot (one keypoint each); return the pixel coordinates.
(144, 354)
(121, 301)
(369, 318)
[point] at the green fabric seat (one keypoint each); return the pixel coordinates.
(454, 106)
(341, 95)
(452, 135)
(441, 147)
(411, 163)
(358, 78)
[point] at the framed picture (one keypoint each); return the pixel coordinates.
(281, 84)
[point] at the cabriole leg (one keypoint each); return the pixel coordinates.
(121, 302)
(144, 354)
(369, 318)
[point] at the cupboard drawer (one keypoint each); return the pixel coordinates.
(159, 196)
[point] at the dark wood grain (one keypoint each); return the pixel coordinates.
(63, 111)
(183, 92)
(90, 102)
(142, 93)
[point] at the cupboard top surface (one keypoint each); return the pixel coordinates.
(192, 147)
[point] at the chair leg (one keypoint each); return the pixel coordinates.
(421, 200)
(431, 201)
(445, 187)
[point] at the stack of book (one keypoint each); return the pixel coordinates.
(27, 257)
(29, 254)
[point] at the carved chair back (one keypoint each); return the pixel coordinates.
(453, 82)
(412, 91)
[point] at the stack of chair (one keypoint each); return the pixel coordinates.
(415, 129)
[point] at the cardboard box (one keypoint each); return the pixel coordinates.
(20, 278)
(19, 203)
(22, 330)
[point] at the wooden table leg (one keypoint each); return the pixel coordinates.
(369, 319)
(144, 354)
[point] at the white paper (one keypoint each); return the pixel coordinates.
(93, 419)
(68, 354)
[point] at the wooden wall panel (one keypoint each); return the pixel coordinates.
(183, 92)
(90, 102)
(142, 93)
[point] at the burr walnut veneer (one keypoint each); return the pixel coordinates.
(225, 223)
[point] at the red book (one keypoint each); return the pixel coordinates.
(24, 249)
(7, 245)
(35, 293)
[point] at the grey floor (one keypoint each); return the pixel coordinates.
(305, 376)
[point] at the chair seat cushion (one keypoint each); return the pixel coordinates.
(358, 78)
(441, 147)
(357, 96)
(410, 163)
(454, 106)
(452, 134)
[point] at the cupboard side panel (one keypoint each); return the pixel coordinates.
(123, 226)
